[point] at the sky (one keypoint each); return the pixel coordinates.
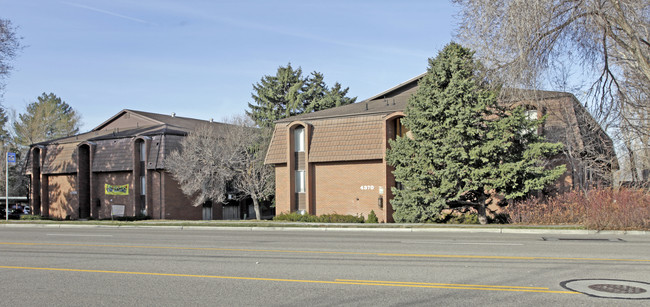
(200, 59)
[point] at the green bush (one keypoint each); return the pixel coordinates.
(339, 218)
(372, 217)
(325, 218)
(296, 217)
(30, 217)
(138, 217)
(467, 218)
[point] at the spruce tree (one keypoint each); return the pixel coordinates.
(277, 97)
(463, 146)
(289, 93)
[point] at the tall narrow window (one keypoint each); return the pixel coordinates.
(141, 171)
(299, 139)
(400, 129)
(531, 114)
(143, 185)
(300, 181)
(143, 152)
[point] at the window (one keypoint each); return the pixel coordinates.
(143, 185)
(300, 181)
(143, 152)
(531, 114)
(299, 139)
(400, 129)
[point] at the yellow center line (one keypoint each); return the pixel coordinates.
(439, 284)
(337, 282)
(328, 252)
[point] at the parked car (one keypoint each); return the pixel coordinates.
(14, 214)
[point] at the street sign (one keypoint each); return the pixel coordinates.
(11, 157)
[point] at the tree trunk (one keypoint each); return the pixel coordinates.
(482, 216)
(482, 210)
(256, 207)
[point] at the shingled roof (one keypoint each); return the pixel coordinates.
(114, 137)
(353, 132)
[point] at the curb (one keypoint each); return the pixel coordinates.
(343, 229)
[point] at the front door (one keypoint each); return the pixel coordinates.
(207, 211)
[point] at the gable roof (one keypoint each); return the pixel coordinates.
(133, 119)
(384, 103)
(568, 117)
(115, 136)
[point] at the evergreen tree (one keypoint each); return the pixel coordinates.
(463, 146)
(331, 98)
(277, 97)
(289, 93)
(47, 118)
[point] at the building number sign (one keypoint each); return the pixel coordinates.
(367, 187)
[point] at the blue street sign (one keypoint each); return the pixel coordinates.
(11, 157)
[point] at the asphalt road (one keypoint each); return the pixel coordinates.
(173, 267)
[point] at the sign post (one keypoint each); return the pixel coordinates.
(11, 159)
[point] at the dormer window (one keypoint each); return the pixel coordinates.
(299, 139)
(143, 152)
(531, 114)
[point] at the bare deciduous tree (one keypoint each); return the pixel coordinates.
(253, 178)
(522, 41)
(9, 46)
(203, 165)
(220, 159)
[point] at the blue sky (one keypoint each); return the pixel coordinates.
(200, 58)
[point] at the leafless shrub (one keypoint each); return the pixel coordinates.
(622, 209)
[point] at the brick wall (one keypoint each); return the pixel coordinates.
(282, 186)
(62, 196)
(177, 205)
(348, 187)
(106, 201)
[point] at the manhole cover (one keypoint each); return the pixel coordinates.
(615, 288)
(609, 288)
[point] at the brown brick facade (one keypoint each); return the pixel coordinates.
(349, 188)
(282, 192)
(62, 197)
(68, 176)
(346, 149)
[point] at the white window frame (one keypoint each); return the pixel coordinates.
(300, 181)
(143, 151)
(531, 114)
(143, 185)
(299, 139)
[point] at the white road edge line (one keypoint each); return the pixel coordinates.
(75, 235)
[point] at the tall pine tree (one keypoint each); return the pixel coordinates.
(463, 146)
(289, 93)
(277, 97)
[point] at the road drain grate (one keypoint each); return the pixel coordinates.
(610, 288)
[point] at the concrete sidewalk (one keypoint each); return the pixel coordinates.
(338, 227)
